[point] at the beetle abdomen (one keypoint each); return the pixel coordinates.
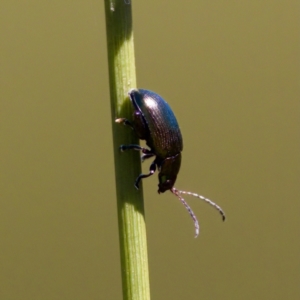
(165, 137)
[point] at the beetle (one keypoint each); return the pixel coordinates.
(155, 122)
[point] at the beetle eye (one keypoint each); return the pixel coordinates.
(165, 185)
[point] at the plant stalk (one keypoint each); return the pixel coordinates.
(130, 204)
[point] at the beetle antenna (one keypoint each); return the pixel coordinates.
(196, 223)
(217, 207)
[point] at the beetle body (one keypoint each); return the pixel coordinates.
(160, 127)
(155, 122)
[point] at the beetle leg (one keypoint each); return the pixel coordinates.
(152, 170)
(134, 147)
(124, 121)
(129, 147)
(147, 155)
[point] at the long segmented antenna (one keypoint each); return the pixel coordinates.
(196, 223)
(197, 227)
(217, 207)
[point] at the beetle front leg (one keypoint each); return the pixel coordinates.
(152, 170)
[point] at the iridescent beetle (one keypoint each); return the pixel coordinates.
(155, 122)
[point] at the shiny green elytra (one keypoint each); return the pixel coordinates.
(155, 122)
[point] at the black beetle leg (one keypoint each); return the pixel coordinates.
(147, 152)
(146, 155)
(124, 121)
(132, 146)
(152, 170)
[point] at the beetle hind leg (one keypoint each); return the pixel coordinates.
(124, 121)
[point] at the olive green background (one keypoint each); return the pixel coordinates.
(230, 71)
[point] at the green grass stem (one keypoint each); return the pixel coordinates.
(131, 218)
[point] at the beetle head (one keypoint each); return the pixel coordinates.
(168, 173)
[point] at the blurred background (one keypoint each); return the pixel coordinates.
(230, 71)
